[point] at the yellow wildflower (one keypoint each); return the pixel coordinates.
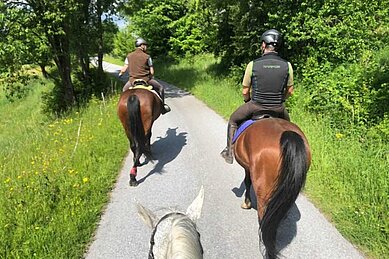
(339, 135)
(85, 179)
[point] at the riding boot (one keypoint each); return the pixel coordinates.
(227, 151)
(165, 107)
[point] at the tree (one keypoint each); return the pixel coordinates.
(58, 30)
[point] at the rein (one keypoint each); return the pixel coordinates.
(151, 254)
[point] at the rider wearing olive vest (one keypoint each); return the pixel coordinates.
(270, 81)
(140, 67)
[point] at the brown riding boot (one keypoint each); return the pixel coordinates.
(227, 151)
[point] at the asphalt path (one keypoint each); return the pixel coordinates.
(186, 144)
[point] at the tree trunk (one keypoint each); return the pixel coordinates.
(83, 41)
(60, 45)
(100, 53)
(44, 72)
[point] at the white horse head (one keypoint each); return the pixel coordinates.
(175, 234)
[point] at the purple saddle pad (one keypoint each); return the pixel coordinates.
(241, 128)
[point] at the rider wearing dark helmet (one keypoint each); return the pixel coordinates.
(140, 67)
(267, 83)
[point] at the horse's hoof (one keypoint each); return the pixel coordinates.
(133, 183)
(246, 206)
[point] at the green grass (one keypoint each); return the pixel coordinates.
(198, 75)
(348, 182)
(55, 175)
(348, 179)
(113, 60)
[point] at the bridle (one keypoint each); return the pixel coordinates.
(151, 254)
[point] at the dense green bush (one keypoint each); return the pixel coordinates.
(356, 93)
(151, 20)
(15, 85)
(123, 43)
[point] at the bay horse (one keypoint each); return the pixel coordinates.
(174, 235)
(138, 108)
(276, 156)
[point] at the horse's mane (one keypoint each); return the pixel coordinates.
(174, 235)
(184, 239)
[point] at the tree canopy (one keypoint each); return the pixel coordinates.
(66, 32)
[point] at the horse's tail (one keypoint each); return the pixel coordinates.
(136, 126)
(291, 179)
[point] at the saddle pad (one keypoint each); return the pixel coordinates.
(146, 87)
(241, 128)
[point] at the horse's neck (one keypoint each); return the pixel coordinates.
(184, 240)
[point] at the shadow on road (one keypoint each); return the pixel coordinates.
(288, 227)
(172, 91)
(166, 149)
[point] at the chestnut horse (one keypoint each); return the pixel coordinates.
(276, 157)
(138, 108)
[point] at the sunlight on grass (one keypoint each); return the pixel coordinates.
(55, 176)
(113, 60)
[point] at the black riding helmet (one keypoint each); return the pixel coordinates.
(140, 41)
(272, 37)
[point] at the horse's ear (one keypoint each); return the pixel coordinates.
(146, 215)
(194, 210)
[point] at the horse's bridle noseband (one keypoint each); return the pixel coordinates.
(151, 254)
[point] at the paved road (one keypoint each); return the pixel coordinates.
(186, 144)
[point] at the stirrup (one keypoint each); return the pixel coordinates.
(227, 157)
(165, 109)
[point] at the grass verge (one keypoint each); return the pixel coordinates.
(55, 175)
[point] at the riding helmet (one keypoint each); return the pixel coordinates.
(140, 41)
(272, 37)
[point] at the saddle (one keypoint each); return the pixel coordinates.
(142, 84)
(256, 116)
(265, 114)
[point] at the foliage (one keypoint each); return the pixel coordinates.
(354, 94)
(100, 85)
(54, 188)
(20, 44)
(123, 43)
(347, 181)
(192, 33)
(329, 31)
(66, 32)
(15, 86)
(173, 28)
(376, 77)
(152, 22)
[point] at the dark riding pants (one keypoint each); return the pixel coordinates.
(247, 110)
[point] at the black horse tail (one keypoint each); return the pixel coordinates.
(136, 126)
(291, 179)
